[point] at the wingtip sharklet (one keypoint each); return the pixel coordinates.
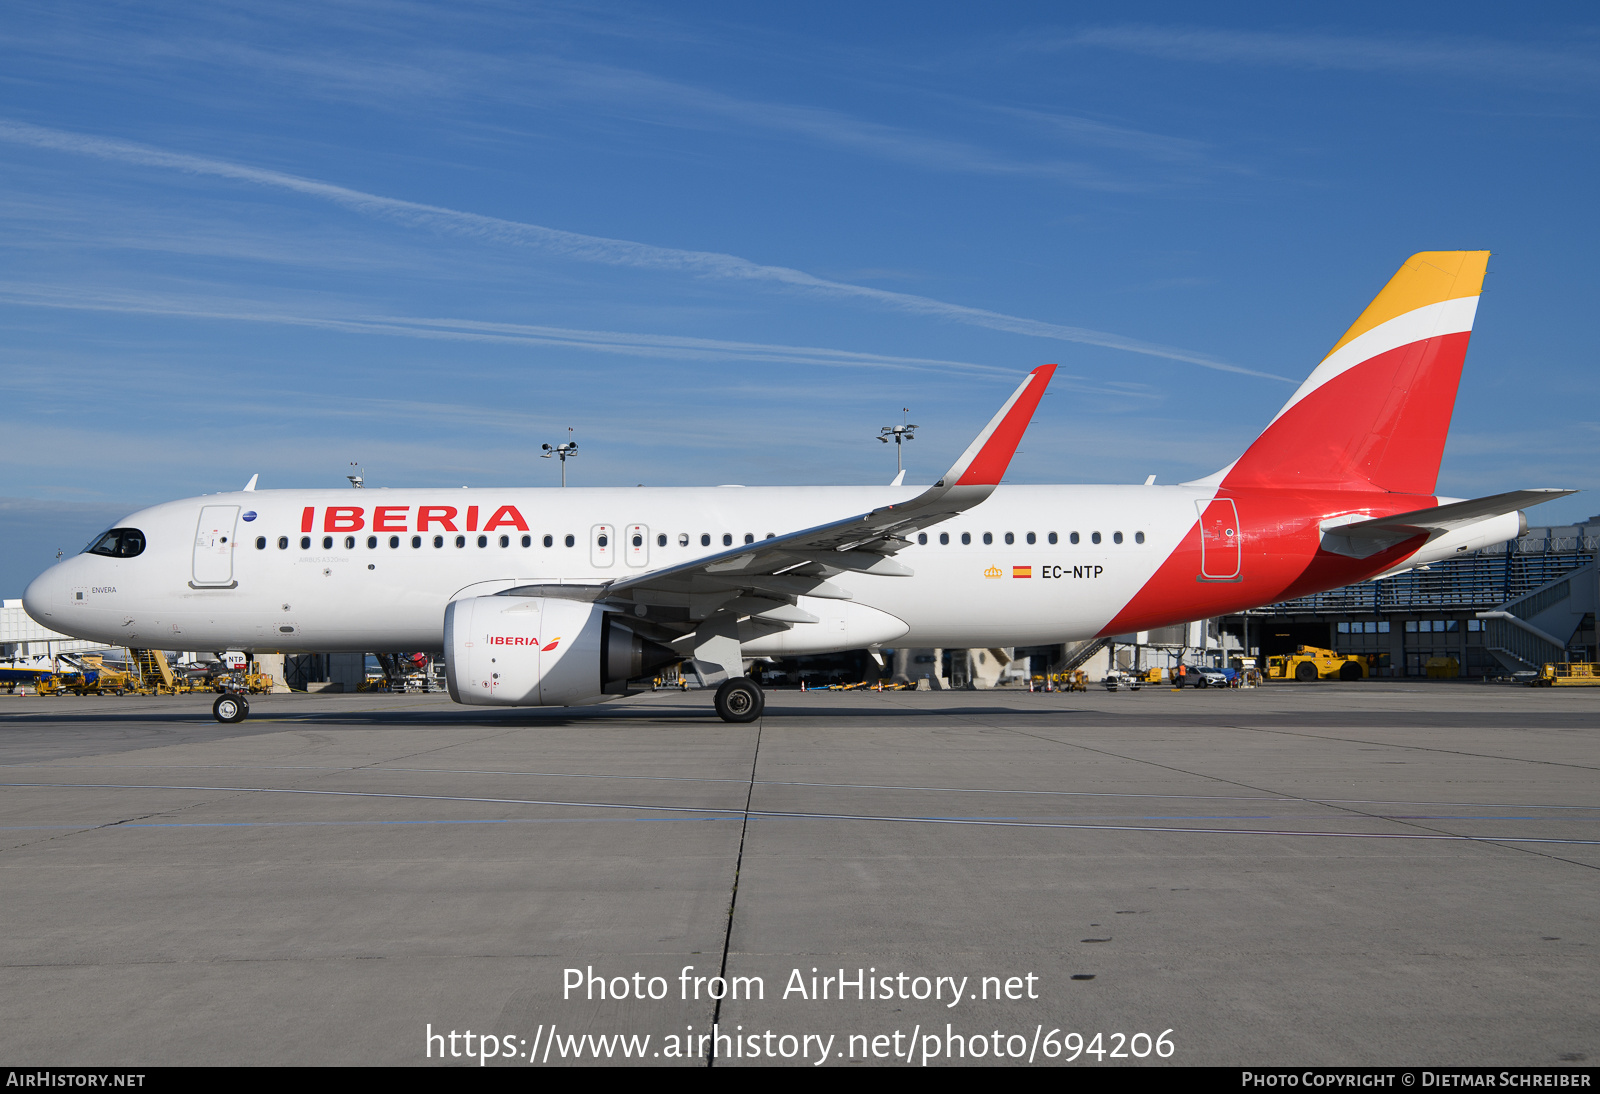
(986, 459)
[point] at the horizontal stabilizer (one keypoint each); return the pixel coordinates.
(1365, 538)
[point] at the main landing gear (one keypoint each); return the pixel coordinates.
(740, 700)
(230, 707)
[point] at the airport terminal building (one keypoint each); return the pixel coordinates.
(1508, 608)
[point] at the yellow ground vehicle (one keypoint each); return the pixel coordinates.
(1442, 668)
(1315, 663)
(155, 675)
(1564, 674)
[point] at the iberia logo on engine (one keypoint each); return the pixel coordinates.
(515, 640)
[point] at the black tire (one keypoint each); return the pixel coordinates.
(1349, 671)
(230, 708)
(1306, 672)
(740, 700)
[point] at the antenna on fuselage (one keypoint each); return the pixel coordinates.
(356, 481)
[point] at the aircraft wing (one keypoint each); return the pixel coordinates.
(799, 563)
(1366, 538)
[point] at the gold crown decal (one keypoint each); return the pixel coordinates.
(992, 571)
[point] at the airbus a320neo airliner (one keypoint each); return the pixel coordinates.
(542, 597)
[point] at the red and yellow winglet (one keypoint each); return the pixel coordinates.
(985, 461)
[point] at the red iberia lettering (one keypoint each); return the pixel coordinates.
(343, 518)
(506, 514)
(384, 516)
(508, 640)
(472, 518)
(445, 515)
(306, 517)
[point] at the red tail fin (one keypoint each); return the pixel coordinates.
(1374, 414)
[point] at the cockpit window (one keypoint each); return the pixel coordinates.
(118, 543)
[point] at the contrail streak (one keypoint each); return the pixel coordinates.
(587, 248)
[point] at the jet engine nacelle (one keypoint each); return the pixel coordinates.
(541, 651)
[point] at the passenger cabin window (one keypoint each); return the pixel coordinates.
(944, 538)
(705, 539)
(570, 541)
(283, 543)
(1074, 537)
(527, 541)
(988, 537)
(438, 541)
(461, 541)
(349, 543)
(1138, 537)
(661, 540)
(372, 542)
(727, 539)
(394, 541)
(416, 541)
(327, 542)
(1052, 537)
(1116, 537)
(549, 541)
(1010, 539)
(505, 541)
(1094, 537)
(305, 543)
(483, 541)
(966, 538)
(683, 539)
(261, 543)
(749, 537)
(922, 538)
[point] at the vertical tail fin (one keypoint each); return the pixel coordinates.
(1374, 414)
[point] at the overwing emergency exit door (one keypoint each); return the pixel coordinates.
(1219, 540)
(213, 546)
(637, 548)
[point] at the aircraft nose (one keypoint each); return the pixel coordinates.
(39, 599)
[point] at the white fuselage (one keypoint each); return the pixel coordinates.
(342, 580)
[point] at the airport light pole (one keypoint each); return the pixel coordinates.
(899, 434)
(561, 452)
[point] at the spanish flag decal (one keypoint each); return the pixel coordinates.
(1022, 571)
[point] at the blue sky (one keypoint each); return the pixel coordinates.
(728, 242)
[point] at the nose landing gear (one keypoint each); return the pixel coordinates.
(740, 700)
(230, 708)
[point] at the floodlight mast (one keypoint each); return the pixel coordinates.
(561, 451)
(899, 434)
